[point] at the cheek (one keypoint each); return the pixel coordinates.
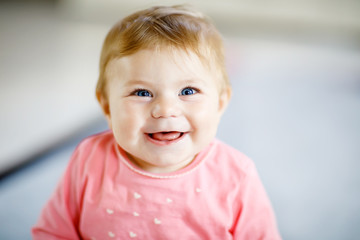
(205, 115)
(126, 120)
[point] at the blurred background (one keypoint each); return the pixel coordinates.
(295, 71)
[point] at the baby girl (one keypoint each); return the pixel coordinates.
(159, 172)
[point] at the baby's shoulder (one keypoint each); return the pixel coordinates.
(231, 159)
(97, 140)
(93, 148)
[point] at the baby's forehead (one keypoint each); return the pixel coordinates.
(153, 62)
(184, 58)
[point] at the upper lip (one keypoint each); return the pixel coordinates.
(166, 125)
(166, 131)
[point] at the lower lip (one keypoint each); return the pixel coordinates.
(167, 142)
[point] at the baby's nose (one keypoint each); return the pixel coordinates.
(165, 107)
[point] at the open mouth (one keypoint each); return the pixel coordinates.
(165, 137)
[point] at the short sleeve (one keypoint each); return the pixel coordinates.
(255, 219)
(59, 218)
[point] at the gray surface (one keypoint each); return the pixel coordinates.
(23, 194)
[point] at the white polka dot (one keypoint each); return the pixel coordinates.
(157, 221)
(198, 190)
(136, 195)
(169, 200)
(132, 234)
(111, 234)
(136, 214)
(109, 211)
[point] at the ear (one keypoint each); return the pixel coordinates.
(224, 99)
(104, 104)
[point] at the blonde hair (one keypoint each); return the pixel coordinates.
(158, 27)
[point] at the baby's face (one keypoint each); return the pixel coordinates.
(163, 107)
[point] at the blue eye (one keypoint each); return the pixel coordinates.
(188, 91)
(142, 93)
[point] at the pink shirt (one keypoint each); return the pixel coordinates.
(104, 196)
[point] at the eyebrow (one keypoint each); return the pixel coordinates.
(195, 80)
(146, 83)
(136, 82)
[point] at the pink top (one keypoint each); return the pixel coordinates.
(104, 196)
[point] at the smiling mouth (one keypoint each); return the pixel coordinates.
(165, 137)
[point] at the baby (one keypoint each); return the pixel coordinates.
(159, 173)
